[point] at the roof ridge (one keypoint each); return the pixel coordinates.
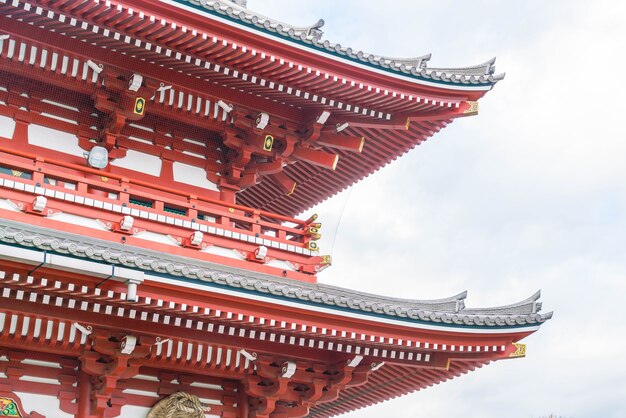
(453, 298)
(238, 9)
(312, 36)
(529, 305)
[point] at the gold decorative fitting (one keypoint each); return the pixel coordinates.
(140, 106)
(104, 178)
(231, 210)
(17, 173)
(520, 350)
(334, 167)
(326, 259)
(268, 143)
(473, 108)
(407, 124)
(293, 189)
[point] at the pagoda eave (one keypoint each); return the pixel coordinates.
(153, 155)
(254, 37)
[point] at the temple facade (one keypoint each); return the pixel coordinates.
(154, 159)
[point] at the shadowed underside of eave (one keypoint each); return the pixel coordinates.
(315, 185)
(389, 382)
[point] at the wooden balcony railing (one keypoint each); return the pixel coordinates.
(160, 209)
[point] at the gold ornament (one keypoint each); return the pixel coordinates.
(520, 350)
(473, 108)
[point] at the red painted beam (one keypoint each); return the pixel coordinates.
(126, 63)
(272, 45)
(342, 142)
(287, 185)
(319, 158)
(465, 109)
(138, 327)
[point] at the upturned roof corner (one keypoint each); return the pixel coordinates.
(446, 312)
(311, 36)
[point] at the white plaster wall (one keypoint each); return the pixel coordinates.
(45, 405)
(8, 205)
(194, 176)
(130, 411)
(53, 139)
(139, 161)
(155, 237)
(280, 264)
(78, 220)
(7, 127)
(224, 252)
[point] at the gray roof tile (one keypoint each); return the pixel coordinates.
(443, 311)
(311, 36)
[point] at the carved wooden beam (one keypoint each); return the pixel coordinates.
(316, 157)
(342, 142)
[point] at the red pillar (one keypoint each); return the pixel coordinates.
(84, 395)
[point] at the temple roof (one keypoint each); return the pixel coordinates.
(312, 36)
(449, 312)
(221, 57)
(232, 298)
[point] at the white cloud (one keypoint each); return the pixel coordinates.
(528, 195)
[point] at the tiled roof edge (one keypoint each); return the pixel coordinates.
(43, 239)
(482, 74)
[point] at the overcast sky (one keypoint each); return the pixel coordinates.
(530, 194)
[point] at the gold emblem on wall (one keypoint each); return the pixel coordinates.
(268, 143)
(140, 106)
